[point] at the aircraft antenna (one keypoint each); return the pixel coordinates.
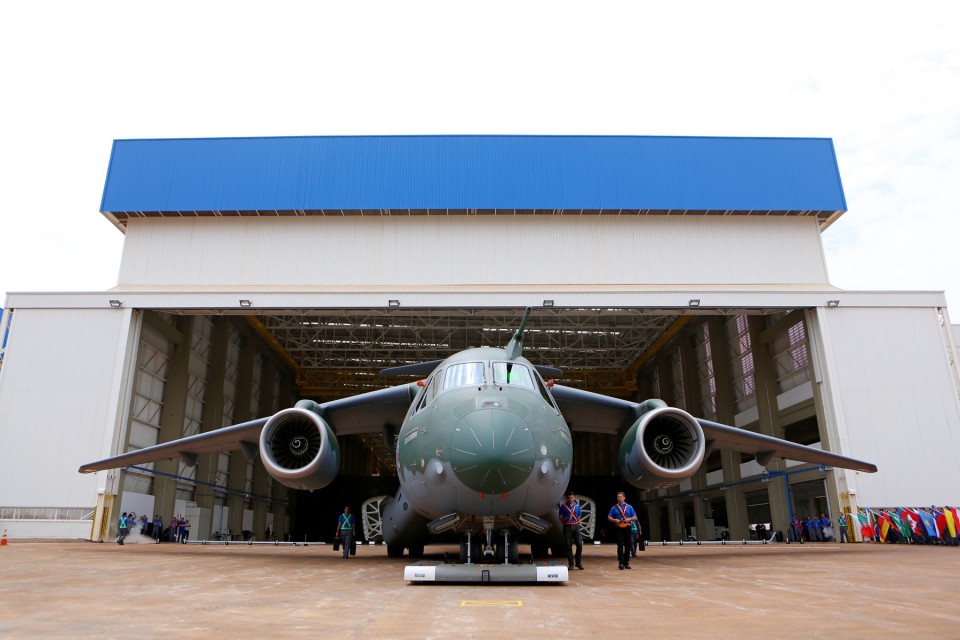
(515, 346)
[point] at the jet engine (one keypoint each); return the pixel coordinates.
(663, 447)
(299, 449)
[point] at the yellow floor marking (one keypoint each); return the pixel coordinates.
(491, 603)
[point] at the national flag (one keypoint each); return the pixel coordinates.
(951, 523)
(929, 523)
(956, 517)
(912, 519)
(878, 520)
(941, 522)
(884, 521)
(866, 529)
(901, 525)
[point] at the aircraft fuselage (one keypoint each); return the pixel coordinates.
(484, 440)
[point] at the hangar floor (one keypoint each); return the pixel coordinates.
(82, 589)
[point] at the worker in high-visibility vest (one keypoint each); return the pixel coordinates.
(124, 527)
(570, 516)
(636, 535)
(621, 515)
(345, 530)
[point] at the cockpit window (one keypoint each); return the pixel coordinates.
(512, 373)
(429, 391)
(461, 375)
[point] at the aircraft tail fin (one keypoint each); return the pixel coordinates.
(515, 346)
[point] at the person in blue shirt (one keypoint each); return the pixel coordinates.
(345, 530)
(818, 529)
(622, 515)
(157, 527)
(570, 516)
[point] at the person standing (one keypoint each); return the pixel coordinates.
(157, 527)
(345, 531)
(622, 514)
(842, 527)
(570, 516)
(797, 526)
(124, 528)
(635, 541)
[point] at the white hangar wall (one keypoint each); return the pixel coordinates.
(64, 387)
(890, 394)
(457, 250)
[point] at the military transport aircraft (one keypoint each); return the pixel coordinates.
(483, 448)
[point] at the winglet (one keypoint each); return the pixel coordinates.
(515, 346)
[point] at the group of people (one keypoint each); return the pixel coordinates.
(177, 531)
(627, 528)
(913, 525)
(815, 529)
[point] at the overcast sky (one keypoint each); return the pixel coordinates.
(882, 79)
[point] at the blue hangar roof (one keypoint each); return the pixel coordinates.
(473, 174)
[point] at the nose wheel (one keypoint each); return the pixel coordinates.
(502, 548)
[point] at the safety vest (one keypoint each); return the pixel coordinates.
(571, 518)
(123, 522)
(347, 522)
(623, 513)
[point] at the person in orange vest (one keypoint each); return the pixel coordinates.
(622, 514)
(570, 516)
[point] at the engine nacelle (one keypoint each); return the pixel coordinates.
(299, 449)
(662, 448)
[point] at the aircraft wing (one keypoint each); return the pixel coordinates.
(587, 411)
(363, 413)
(369, 412)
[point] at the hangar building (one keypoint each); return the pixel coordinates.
(258, 271)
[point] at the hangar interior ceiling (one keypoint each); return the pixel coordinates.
(337, 352)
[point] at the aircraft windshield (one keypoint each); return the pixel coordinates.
(511, 373)
(460, 375)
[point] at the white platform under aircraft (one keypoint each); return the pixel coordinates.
(483, 449)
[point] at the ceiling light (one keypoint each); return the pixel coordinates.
(695, 302)
(548, 303)
(393, 303)
(833, 303)
(116, 304)
(245, 303)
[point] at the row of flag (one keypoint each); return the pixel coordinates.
(932, 523)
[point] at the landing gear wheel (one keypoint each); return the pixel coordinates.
(538, 550)
(474, 551)
(416, 551)
(394, 551)
(513, 552)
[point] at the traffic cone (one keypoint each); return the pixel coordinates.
(3, 540)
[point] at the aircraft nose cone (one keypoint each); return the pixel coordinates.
(492, 451)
